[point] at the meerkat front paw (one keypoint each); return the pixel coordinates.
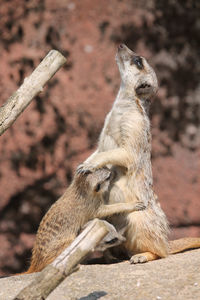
(85, 168)
(140, 206)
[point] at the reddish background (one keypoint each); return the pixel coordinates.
(60, 128)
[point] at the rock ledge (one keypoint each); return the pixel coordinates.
(176, 277)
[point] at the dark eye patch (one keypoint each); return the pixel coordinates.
(97, 189)
(108, 178)
(114, 240)
(137, 60)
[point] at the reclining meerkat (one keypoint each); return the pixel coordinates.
(82, 201)
(125, 146)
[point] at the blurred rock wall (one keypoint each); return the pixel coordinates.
(60, 128)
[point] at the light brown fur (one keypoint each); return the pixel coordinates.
(81, 202)
(125, 146)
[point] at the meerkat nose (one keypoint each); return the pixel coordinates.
(121, 46)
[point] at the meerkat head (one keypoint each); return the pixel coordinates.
(94, 183)
(137, 75)
(100, 180)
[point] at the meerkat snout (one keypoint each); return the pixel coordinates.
(124, 52)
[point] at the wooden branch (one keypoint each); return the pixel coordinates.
(112, 239)
(32, 85)
(65, 263)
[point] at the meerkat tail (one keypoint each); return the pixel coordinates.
(182, 244)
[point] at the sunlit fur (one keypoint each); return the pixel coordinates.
(84, 200)
(67, 215)
(125, 145)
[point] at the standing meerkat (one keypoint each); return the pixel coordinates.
(125, 146)
(82, 201)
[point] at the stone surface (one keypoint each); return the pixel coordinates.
(39, 153)
(176, 277)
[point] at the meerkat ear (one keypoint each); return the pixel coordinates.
(144, 90)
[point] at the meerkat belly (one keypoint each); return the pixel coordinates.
(147, 230)
(142, 185)
(119, 193)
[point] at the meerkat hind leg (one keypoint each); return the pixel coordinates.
(143, 257)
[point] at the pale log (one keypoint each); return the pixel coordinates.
(32, 85)
(65, 263)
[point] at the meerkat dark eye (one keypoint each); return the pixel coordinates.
(114, 240)
(108, 178)
(137, 60)
(97, 188)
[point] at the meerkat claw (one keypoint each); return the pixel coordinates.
(83, 169)
(140, 206)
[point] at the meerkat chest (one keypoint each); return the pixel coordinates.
(113, 129)
(111, 134)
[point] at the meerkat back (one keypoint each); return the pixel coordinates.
(64, 220)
